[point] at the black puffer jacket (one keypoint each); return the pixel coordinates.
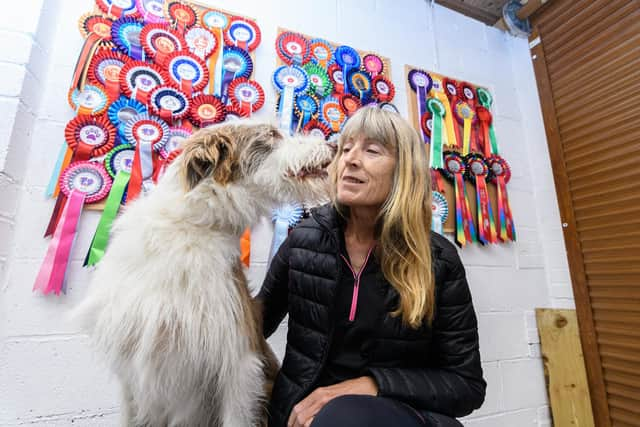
(433, 369)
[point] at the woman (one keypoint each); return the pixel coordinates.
(382, 330)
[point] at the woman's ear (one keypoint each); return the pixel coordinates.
(209, 153)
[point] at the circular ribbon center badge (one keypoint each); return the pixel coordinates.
(90, 178)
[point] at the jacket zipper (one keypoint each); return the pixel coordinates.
(356, 283)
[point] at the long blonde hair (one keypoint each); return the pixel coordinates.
(404, 221)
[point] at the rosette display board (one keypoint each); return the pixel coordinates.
(323, 83)
(148, 74)
(454, 118)
(320, 84)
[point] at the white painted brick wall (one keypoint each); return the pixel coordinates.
(48, 376)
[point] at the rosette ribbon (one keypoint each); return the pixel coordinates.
(501, 175)
(477, 171)
(347, 58)
(321, 52)
(81, 182)
(319, 83)
(118, 164)
(373, 64)
(246, 95)
(242, 33)
(485, 99)
(420, 82)
(236, 63)
(437, 91)
(216, 22)
(454, 168)
(187, 72)
(284, 217)
(306, 107)
(96, 29)
(148, 134)
(289, 81)
(439, 211)
(466, 117)
(86, 137)
(125, 33)
(437, 110)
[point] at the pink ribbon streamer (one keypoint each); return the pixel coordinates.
(54, 266)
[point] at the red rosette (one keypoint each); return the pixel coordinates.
(426, 123)
(207, 110)
(451, 88)
(159, 41)
(96, 132)
(314, 127)
(245, 93)
(171, 72)
(467, 92)
(181, 15)
(249, 26)
(98, 24)
(335, 75)
(105, 69)
(235, 113)
(293, 48)
(350, 103)
(143, 76)
(383, 89)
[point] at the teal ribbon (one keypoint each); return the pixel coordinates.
(51, 187)
(101, 238)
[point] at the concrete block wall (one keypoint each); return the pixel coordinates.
(48, 375)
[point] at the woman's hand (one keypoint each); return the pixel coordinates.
(302, 414)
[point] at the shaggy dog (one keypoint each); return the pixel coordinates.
(169, 304)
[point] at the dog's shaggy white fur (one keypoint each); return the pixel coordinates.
(169, 305)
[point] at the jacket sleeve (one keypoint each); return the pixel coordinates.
(274, 292)
(452, 384)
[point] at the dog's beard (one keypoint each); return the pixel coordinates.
(296, 171)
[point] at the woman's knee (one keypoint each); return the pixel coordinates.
(348, 410)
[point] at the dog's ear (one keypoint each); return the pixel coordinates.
(209, 153)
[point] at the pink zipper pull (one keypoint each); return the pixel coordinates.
(356, 283)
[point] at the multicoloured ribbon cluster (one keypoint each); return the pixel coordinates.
(455, 121)
(321, 84)
(148, 74)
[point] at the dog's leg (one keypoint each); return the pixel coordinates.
(128, 408)
(243, 393)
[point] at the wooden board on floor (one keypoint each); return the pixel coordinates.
(564, 368)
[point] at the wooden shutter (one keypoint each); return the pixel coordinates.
(586, 56)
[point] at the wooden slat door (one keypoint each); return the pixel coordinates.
(586, 56)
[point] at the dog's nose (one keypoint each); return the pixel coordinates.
(333, 146)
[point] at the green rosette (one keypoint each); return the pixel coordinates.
(319, 82)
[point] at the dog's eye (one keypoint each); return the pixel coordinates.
(275, 133)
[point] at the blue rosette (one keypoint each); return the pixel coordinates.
(236, 63)
(439, 211)
(284, 217)
(290, 81)
(347, 58)
(125, 33)
(122, 110)
(360, 85)
(306, 107)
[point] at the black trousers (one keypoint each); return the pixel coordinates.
(372, 411)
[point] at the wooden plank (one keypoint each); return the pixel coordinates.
(564, 368)
(571, 238)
